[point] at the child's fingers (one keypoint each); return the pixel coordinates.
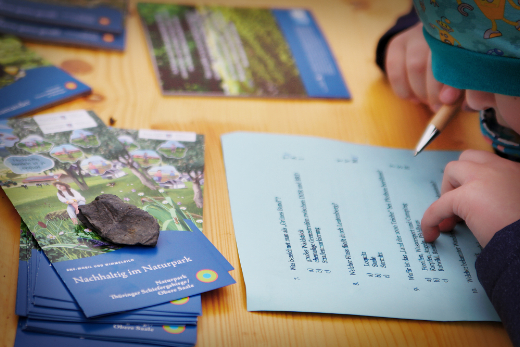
(443, 212)
(434, 87)
(449, 223)
(417, 53)
(430, 233)
(456, 173)
(396, 68)
(449, 95)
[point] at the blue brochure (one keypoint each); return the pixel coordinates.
(338, 230)
(51, 292)
(167, 335)
(318, 69)
(106, 16)
(228, 51)
(136, 277)
(29, 83)
(29, 338)
(62, 35)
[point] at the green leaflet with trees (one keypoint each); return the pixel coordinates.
(231, 51)
(49, 220)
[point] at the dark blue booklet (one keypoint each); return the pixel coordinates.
(51, 299)
(136, 277)
(165, 335)
(29, 83)
(50, 286)
(50, 292)
(100, 15)
(26, 338)
(62, 35)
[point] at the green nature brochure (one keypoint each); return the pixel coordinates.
(52, 159)
(75, 150)
(228, 51)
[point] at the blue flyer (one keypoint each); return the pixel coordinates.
(51, 292)
(135, 277)
(62, 35)
(29, 83)
(102, 15)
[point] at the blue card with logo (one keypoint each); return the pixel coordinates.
(134, 277)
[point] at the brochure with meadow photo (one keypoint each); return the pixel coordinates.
(100, 15)
(174, 161)
(54, 163)
(29, 83)
(227, 51)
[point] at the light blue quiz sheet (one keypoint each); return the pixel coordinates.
(333, 227)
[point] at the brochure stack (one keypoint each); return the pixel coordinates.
(95, 24)
(74, 284)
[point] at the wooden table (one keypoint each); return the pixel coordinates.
(126, 90)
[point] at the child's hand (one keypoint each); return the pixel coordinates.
(409, 70)
(480, 188)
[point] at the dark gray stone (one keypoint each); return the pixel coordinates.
(118, 222)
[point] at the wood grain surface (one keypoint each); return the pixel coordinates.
(126, 90)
